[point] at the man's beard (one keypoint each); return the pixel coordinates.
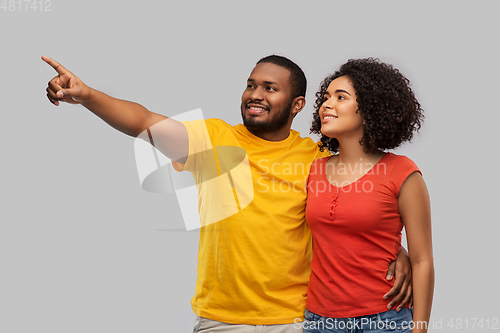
(277, 122)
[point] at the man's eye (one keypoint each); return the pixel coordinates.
(271, 88)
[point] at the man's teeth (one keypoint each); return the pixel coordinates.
(258, 109)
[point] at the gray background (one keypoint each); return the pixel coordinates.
(83, 248)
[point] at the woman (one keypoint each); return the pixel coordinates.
(360, 198)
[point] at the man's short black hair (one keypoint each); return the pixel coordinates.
(297, 79)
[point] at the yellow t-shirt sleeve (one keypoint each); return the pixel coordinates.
(200, 135)
(323, 153)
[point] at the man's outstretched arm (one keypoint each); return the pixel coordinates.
(127, 117)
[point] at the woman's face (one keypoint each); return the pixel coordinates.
(338, 113)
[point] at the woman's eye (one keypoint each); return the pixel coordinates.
(341, 97)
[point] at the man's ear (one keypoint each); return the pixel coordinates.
(298, 104)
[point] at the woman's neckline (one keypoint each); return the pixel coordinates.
(354, 181)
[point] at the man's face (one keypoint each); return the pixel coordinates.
(266, 102)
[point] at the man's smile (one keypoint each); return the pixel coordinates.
(256, 109)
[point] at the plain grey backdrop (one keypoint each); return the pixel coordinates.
(84, 249)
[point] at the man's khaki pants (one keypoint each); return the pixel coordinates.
(204, 325)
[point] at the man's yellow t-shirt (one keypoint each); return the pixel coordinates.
(255, 246)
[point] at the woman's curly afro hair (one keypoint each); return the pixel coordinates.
(386, 103)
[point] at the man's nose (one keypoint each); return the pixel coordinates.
(257, 94)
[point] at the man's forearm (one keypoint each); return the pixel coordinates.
(125, 116)
(171, 137)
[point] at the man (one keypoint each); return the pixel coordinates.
(254, 264)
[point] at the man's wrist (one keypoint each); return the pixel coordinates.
(92, 96)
